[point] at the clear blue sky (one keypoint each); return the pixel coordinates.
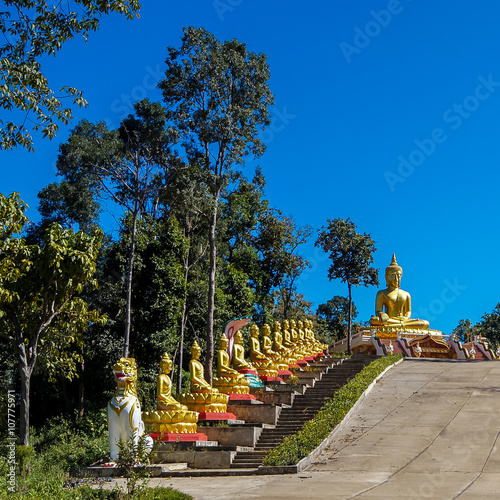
(387, 112)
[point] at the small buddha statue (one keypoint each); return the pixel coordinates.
(393, 305)
(286, 355)
(390, 348)
(294, 334)
(170, 415)
(198, 382)
(267, 343)
(223, 368)
(256, 356)
(278, 338)
(238, 360)
(228, 381)
(164, 387)
(287, 339)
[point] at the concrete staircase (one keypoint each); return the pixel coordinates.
(304, 408)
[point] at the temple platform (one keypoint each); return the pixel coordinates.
(414, 343)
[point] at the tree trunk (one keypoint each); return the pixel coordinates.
(81, 390)
(128, 312)
(181, 344)
(211, 290)
(349, 350)
(24, 407)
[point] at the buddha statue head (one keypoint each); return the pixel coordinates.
(266, 330)
(166, 363)
(393, 274)
(195, 350)
(223, 342)
(277, 326)
(254, 331)
(286, 324)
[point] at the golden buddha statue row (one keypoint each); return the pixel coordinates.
(272, 356)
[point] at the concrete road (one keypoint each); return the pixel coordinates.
(428, 429)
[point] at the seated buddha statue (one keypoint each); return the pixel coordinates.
(304, 341)
(294, 334)
(197, 373)
(223, 368)
(278, 338)
(287, 339)
(393, 305)
(267, 343)
(238, 359)
(164, 387)
(256, 356)
(285, 354)
(228, 380)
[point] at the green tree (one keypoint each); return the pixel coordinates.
(463, 330)
(128, 166)
(351, 254)
(334, 316)
(32, 29)
(280, 264)
(41, 313)
(218, 97)
(291, 306)
(489, 326)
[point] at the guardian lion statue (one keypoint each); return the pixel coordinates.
(124, 410)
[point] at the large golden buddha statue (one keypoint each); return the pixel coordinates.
(393, 305)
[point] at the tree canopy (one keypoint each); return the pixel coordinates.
(41, 313)
(32, 29)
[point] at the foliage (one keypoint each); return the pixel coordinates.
(489, 326)
(31, 30)
(463, 330)
(41, 313)
(294, 448)
(351, 254)
(68, 204)
(128, 166)
(333, 318)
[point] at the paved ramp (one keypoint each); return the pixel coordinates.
(428, 429)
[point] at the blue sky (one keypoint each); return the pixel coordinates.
(387, 112)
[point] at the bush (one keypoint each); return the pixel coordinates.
(294, 448)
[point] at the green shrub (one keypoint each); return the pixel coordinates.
(294, 448)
